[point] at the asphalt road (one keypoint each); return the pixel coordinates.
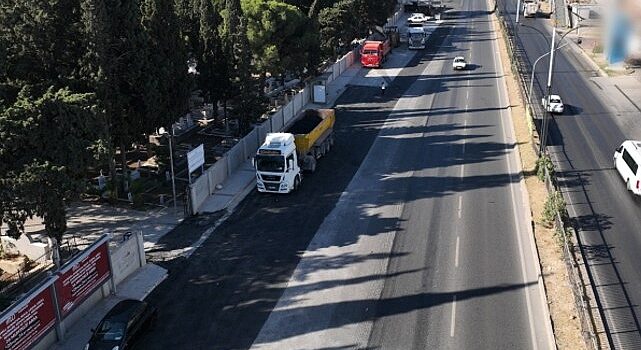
(436, 209)
(411, 234)
(607, 216)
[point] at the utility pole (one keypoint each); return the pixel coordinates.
(544, 127)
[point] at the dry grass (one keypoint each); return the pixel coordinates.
(564, 316)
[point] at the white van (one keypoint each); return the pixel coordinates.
(627, 158)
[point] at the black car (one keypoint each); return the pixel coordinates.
(122, 325)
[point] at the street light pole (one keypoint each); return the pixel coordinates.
(529, 91)
(518, 11)
(553, 48)
(544, 127)
(171, 160)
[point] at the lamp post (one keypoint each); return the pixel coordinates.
(553, 48)
(170, 136)
(529, 91)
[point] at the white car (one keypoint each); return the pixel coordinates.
(459, 63)
(417, 18)
(555, 105)
(627, 158)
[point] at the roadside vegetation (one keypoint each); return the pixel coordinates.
(82, 82)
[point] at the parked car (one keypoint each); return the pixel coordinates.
(459, 63)
(122, 325)
(555, 105)
(417, 18)
(627, 158)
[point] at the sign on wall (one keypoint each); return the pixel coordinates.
(82, 276)
(23, 325)
(196, 158)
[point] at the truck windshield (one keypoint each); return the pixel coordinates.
(274, 164)
(370, 52)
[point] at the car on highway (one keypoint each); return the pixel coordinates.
(555, 104)
(122, 325)
(459, 63)
(627, 158)
(417, 18)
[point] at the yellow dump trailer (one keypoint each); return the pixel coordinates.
(313, 135)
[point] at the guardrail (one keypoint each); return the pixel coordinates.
(581, 300)
(521, 69)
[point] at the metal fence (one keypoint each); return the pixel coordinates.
(521, 69)
(566, 234)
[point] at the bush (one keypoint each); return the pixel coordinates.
(544, 162)
(562, 234)
(555, 204)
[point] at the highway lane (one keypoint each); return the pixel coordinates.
(459, 271)
(608, 218)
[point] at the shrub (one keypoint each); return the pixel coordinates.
(555, 204)
(544, 162)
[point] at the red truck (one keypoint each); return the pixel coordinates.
(375, 50)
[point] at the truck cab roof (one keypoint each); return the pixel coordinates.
(277, 143)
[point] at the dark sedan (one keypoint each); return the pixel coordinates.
(122, 325)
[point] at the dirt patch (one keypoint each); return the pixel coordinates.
(565, 321)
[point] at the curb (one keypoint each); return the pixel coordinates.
(156, 284)
(241, 195)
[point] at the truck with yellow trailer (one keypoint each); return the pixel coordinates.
(282, 158)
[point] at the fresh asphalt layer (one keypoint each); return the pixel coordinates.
(409, 235)
(608, 218)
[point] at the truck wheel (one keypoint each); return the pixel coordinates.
(296, 183)
(312, 165)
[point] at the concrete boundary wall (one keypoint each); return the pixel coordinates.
(124, 260)
(216, 174)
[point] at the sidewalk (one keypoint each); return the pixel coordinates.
(137, 286)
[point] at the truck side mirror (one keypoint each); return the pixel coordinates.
(290, 165)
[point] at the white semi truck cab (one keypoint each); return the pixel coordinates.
(276, 162)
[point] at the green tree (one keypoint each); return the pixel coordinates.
(168, 85)
(338, 27)
(118, 59)
(39, 174)
(248, 104)
(280, 36)
(38, 46)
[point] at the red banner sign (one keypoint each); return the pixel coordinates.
(83, 276)
(28, 321)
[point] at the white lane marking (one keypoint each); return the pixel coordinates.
(460, 206)
(509, 151)
(453, 322)
(457, 249)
